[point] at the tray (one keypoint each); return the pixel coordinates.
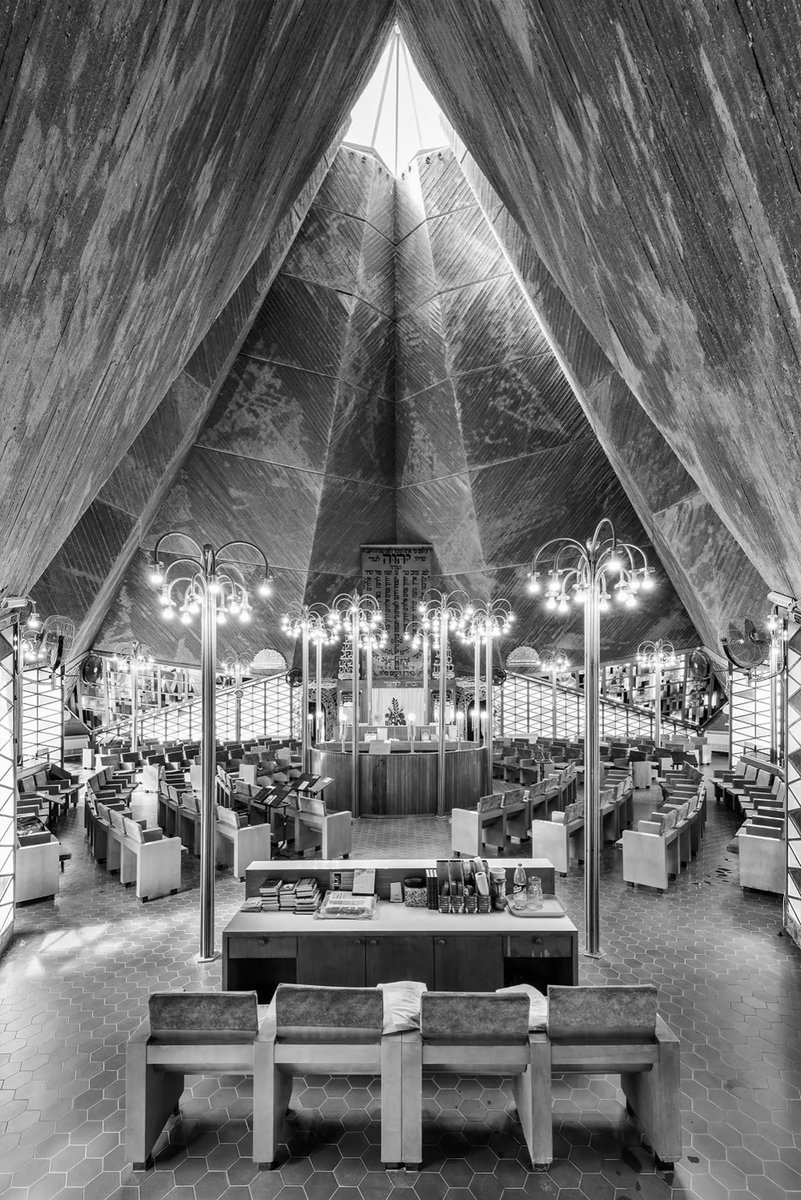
(550, 907)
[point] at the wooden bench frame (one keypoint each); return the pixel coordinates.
(155, 1080)
(649, 1071)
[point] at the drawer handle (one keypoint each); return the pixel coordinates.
(440, 941)
(357, 941)
(373, 941)
(538, 941)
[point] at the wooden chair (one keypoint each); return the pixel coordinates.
(189, 1033)
(315, 827)
(150, 860)
(477, 1033)
(36, 867)
(239, 844)
(606, 1030)
(332, 1031)
(762, 856)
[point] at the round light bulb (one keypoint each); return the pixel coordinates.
(186, 619)
(264, 588)
(157, 575)
(244, 616)
(221, 618)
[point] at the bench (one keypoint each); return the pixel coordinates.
(611, 1030)
(315, 829)
(476, 1033)
(656, 850)
(193, 1033)
(332, 1031)
(762, 853)
(238, 844)
(36, 866)
(148, 860)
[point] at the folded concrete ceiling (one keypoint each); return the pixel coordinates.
(395, 387)
(639, 170)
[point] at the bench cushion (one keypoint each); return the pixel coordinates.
(447, 1017)
(308, 1013)
(198, 1017)
(602, 1014)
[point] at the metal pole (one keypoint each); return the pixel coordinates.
(368, 681)
(730, 683)
(426, 718)
(554, 704)
(443, 684)
(658, 698)
(208, 656)
(319, 731)
(774, 701)
(237, 701)
(592, 762)
(477, 686)
(134, 700)
(304, 692)
(490, 723)
(17, 702)
(354, 766)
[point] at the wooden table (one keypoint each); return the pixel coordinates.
(445, 951)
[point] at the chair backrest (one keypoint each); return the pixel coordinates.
(189, 802)
(117, 820)
(203, 1017)
(602, 1014)
(136, 833)
(474, 1017)
(227, 816)
(283, 755)
(306, 1013)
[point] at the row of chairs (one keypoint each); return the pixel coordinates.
(341, 1031)
(657, 850)
(144, 857)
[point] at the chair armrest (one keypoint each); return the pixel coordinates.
(141, 1033)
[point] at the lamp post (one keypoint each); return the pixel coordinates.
(356, 614)
(487, 621)
(655, 656)
(307, 622)
(213, 586)
(420, 638)
(237, 664)
(591, 572)
(372, 639)
(440, 613)
(555, 662)
(129, 657)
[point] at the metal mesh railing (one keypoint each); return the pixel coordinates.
(749, 715)
(42, 715)
(265, 711)
(530, 710)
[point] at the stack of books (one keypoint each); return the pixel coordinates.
(287, 897)
(307, 895)
(269, 892)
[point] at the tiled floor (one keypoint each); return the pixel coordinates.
(76, 979)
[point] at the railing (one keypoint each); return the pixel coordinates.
(42, 716)
(265, 711)
(527, 710)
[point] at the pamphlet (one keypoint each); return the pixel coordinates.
(364, 881)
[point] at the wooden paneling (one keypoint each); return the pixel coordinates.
(401, 784)
(147, 154)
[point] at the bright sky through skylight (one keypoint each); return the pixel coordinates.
(418, 125)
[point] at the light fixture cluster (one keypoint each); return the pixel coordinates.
(181, 595)
(658, 653)
(493, 617)
(554, 662)
(124, 656)
(311, 619)
(451, 609)
(364, 609)
(618, 569)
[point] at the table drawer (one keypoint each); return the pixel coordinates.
(259, 946)
(538, 945)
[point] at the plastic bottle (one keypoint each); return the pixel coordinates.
(519, 887)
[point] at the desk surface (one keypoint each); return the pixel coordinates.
(396, 918)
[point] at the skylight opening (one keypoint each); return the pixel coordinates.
(396, 115)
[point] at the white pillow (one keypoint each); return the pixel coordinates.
(402, 1005)
(538, 1004)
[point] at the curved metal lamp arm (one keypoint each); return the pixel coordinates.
(175, 533)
